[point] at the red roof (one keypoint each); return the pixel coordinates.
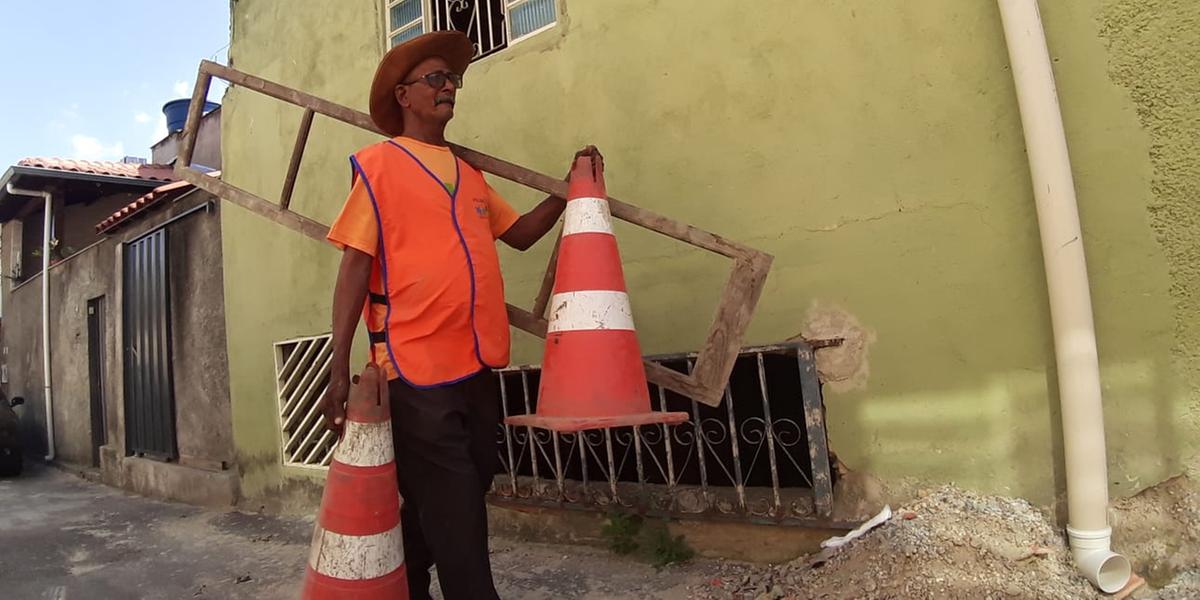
(145, 202)
(141, 204)
(103, 167)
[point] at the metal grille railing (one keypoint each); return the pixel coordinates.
(301, 376)
(490, 24)
(760, 456)
(481, 20)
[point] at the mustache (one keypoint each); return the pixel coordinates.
(444, 100)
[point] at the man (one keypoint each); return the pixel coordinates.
(419, 263)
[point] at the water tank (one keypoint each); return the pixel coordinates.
(176, 112)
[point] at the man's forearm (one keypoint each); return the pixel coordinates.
(348, 295)
(534, 224)
(545, 215)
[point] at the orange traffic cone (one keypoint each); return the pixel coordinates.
(357, 551)
(592, 372)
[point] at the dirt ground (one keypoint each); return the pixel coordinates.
(1159, 529)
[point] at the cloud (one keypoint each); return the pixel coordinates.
(160, 129)
(71, 113)
(89, 148)
(182, 89)
(142, 118)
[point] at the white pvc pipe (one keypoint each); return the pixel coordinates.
(47, 389)
(1070, 299)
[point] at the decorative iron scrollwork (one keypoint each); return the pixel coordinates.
(729, 461)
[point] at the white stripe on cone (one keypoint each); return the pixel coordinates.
(587, 215)
(356, 557)
(588, 310)
(365, 445)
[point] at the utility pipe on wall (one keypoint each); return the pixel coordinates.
(1070, 299)
(46, 388)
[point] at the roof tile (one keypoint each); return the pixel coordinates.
(95, 167)
(143, 202)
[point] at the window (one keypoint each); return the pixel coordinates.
(405, 21)
(492, 25)
(301, 376)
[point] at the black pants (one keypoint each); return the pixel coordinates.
(445, 441)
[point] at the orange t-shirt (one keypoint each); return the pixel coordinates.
(355, 227)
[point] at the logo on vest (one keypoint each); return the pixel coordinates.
(481, 207)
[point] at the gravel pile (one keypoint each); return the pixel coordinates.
(1186, 586)
(948, 544)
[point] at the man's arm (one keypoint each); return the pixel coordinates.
(348, 296)
(534, 224)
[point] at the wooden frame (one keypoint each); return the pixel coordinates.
(706, 383)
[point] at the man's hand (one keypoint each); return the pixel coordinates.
(333, 405)
(348, 296)
(588, 150)
(531, 226)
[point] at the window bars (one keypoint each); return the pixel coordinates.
(492, 25)
(762, 456)
(301, 377)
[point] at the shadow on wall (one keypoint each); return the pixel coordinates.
(32, 416)
(1008, 430)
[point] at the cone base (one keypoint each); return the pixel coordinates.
(323, 587)
(572, 424)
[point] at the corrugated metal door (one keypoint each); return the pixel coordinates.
(149, 391)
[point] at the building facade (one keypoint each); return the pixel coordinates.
(875, 149)
(139, 386)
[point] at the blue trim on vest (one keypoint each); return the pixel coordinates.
(388, 315)
(461, 238)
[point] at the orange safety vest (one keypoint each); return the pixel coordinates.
(446, 319)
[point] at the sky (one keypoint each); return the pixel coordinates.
(87, 79)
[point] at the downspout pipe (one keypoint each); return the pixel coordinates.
(47, 231)
(1070, 299)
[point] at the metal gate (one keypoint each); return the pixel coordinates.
(149, 391)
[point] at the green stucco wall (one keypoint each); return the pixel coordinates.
(1153, 55)
(873, 147)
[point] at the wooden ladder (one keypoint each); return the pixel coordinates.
(707, 381)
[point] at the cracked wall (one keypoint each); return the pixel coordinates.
(874, 148)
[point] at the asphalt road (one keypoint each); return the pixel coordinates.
(65, 538)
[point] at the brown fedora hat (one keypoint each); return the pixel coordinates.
(453, 46)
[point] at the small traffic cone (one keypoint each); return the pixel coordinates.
(357, 551)
(592, 371)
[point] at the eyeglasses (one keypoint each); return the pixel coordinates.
(437, 79)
